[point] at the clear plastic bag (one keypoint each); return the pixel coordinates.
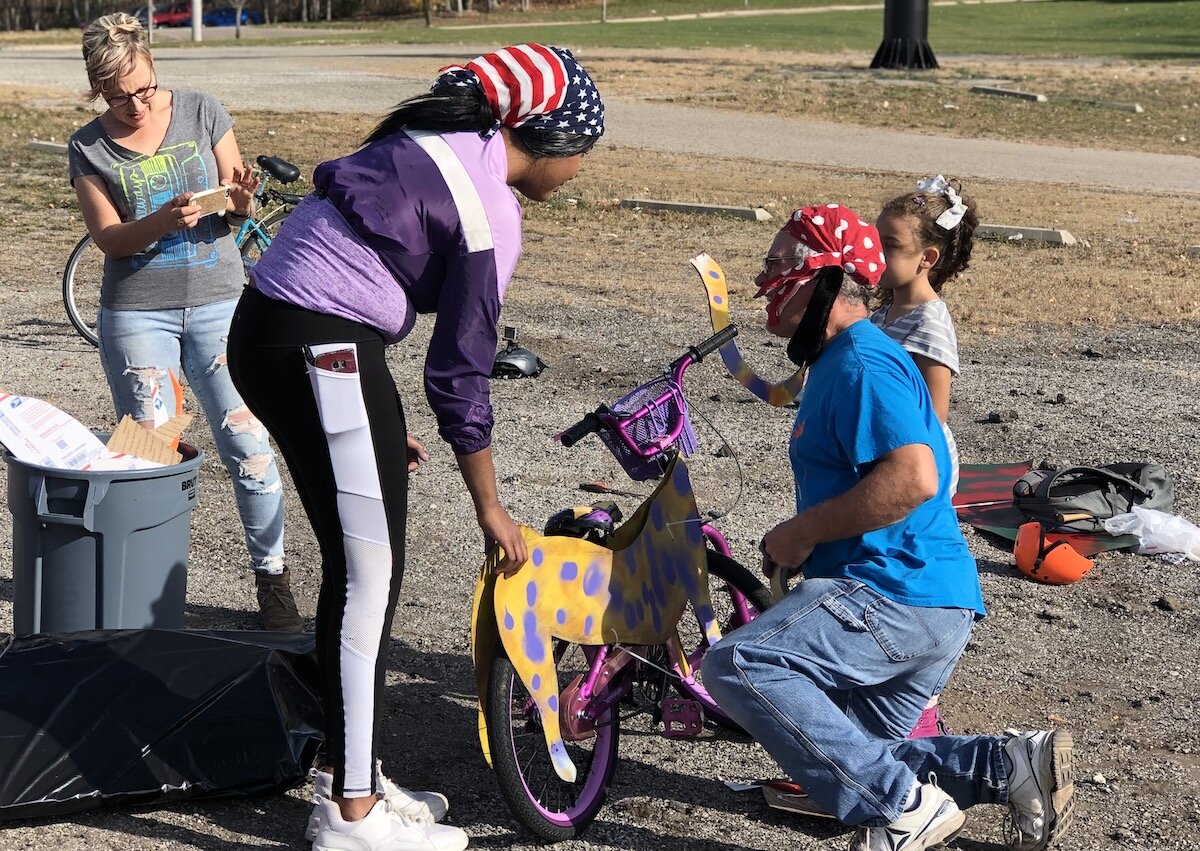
(1160, 532)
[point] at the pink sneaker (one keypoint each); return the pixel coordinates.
(929, 724)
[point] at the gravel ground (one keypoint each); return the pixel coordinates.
(1100, 658)
(1103, 658)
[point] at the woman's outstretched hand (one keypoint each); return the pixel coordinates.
(242, 188)
(416, 453)
(499, 528)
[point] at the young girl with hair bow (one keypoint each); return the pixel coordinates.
(927, 239)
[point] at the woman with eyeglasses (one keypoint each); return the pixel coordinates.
(172, 275)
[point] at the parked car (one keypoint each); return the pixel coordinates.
(225, 16)
(167, 14)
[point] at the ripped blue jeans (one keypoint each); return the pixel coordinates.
(137, 347)
(831, 679)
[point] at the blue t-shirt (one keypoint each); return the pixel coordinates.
(865, 398)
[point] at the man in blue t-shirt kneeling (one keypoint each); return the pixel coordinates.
(833, 677)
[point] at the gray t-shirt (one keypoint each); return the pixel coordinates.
(185, 268)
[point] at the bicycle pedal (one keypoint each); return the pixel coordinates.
(682, 718)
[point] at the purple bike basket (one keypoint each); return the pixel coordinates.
(651, 427)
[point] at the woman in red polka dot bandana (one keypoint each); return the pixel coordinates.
(811, 252)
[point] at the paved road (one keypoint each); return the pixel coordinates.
(371, 78)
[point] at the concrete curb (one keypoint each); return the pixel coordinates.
(1008, 93)
(1012, 232)
(754, 214)
(47, 147)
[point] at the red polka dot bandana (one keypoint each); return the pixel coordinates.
(837, 237)
(532, 85)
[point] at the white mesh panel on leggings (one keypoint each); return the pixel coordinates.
(368, 576)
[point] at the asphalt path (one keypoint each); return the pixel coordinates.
(371, 78)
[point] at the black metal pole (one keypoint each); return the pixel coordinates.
(905, 36)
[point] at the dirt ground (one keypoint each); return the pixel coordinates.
(605, 296)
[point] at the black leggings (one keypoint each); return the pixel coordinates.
(341, 431)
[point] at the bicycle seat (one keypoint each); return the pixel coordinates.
(281, 170)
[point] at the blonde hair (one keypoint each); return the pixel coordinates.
(111, 46)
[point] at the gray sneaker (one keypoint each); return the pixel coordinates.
(1041, 788)
(934, 821)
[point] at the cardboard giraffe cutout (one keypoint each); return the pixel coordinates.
(632, 592)
(783, 393)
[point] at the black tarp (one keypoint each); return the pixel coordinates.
(117, 717)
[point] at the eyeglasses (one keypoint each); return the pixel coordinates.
(768, 260)
(143, 94)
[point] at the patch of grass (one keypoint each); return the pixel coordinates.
(1135, 30)
(1130, 267)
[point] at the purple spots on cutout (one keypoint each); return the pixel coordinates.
(561, 616)
(531, 593)
(552, 702)
(536, 682)
(718, 300)
(587, 625)
(631, 618)
(713, 273)
(569, 571)
(593, 578)
(509, 623)
(656, 516)
(704, 613)
(538, 556)
(531, 643)
(668, 572)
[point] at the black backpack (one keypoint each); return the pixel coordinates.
(1080, 499)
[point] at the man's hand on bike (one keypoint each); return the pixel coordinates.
(242, 187)
(499, 528)
(785, 547)
(180, 213)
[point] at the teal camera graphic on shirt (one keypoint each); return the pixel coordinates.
(153, 182)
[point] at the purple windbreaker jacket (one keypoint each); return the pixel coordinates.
(415, 223)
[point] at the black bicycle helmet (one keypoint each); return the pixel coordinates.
(515, 361)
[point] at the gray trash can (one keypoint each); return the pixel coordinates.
(100, 550)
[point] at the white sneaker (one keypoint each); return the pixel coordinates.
(935, 820)
(382, 830)
(1041, 788)
(415, 807)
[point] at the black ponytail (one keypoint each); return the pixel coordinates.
(452, 108)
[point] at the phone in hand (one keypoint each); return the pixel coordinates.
(211, 200)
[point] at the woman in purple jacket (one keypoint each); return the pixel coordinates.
(422, 219)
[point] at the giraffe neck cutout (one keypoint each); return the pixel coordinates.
(780, 394)
(633, 591)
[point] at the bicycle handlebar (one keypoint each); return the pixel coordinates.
(593, 422)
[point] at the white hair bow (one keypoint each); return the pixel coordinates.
(938, 185)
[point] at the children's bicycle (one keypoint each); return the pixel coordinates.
(84, 271)
(606, 620)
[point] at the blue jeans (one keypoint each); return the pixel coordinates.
(832, 678)
(137, 347)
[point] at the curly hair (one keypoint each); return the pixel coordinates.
(111, 47)
(954, 245)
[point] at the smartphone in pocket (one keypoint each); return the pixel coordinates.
(338, 360)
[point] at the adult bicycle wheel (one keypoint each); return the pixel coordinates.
(81, 288)
(549, 807)
(737, 597)
(258, 233)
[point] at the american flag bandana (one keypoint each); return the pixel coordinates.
(837, 237)
(532, 85)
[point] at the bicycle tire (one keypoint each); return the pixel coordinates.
(257, 237)
(81, 281)
(730, 576)
(558, 811)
